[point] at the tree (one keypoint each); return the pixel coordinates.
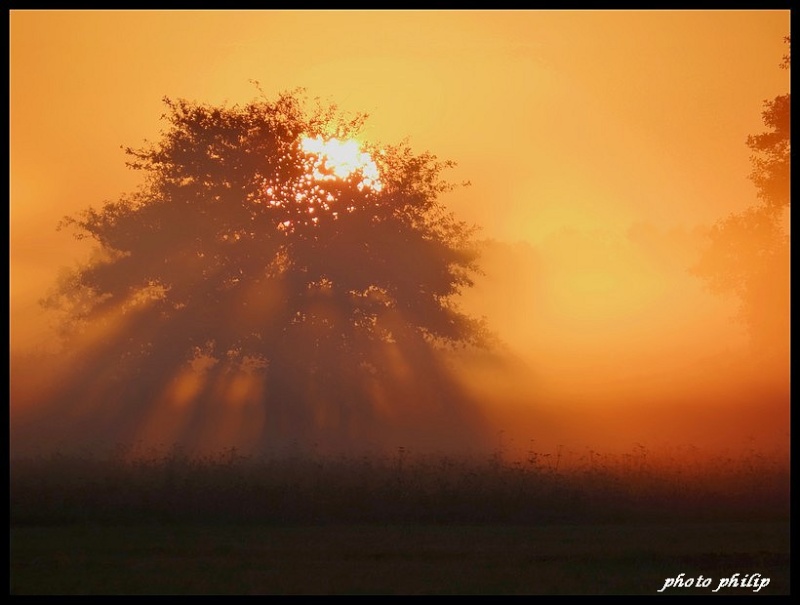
(255, 269)
(748, 253)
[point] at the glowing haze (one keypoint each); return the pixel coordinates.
(600, 147)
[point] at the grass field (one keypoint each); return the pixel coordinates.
(402, 524)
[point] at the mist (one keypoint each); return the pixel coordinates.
(605, 342)
(602, 148)
(610, 344)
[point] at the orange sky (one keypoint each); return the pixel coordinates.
(604, 141)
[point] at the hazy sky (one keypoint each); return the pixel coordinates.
(605, 140)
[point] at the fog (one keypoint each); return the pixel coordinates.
(604, 342)
(614, 343)
(601, 148)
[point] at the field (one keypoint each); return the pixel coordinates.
(168, 523)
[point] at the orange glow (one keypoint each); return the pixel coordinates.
(601, 148)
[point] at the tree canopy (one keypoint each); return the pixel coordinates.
(269, 262)
(748, 253)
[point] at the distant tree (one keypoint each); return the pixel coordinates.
(269, 256)
(748, 255)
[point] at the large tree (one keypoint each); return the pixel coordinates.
(748, 252)
(267, 260)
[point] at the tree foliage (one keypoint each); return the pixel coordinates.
(748, 253)
(244, 260)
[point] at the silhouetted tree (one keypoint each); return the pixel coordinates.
(248, 262)
(748, 255)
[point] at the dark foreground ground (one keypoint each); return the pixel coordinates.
(168, 523)
(414, 559)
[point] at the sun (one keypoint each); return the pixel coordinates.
(326, 161)
(335, 159)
